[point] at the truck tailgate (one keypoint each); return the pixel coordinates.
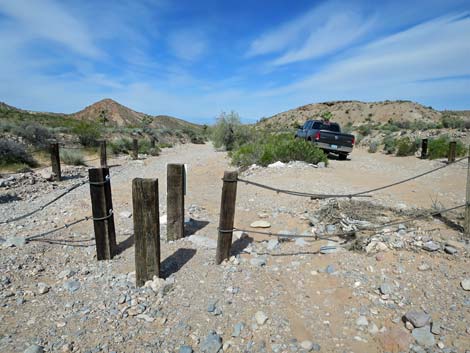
(336, 138)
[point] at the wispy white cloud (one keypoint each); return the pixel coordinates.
(320, 31)
(188, 44)
(47, 20)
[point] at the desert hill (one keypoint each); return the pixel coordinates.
(356, 113)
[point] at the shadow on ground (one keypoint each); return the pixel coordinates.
(193, 226)
(176, 261)
(240, 244)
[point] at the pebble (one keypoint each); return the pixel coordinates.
(34, 349)
(237, 329)
(436, 327)
(261, 318)
(330, 269)
(450, 250)
(72, 286)
(465, 284)
(43, 288)
(423, 336)
(212, 343)
(260, 224)
(272, 244)
(330, 228)
(418, 318)
(362, 321)
(307, 345)
(431, 246)
(386, 288)
(424, 267)
(258, 261)
(185, 349)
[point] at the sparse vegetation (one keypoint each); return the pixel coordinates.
(390, 144)
(452, 122)
(373, 147)
(229, 133)
(72, 157)
(406, 147)
(270, 148)
(439, 147)
(13, 153)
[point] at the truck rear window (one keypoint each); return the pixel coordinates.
(322, 126)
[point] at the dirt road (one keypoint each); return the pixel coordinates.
(344, 301)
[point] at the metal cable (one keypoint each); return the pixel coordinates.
(357, 194)
(57, 229)
(45, 205)
(105, 217)
(343, 234)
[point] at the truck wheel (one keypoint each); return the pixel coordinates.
(342, 156)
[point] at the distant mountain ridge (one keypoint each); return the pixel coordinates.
(357, 112)
(116, 114)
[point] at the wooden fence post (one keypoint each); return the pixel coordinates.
(55, 161)
(467, 198)
(424, 148)
(135, 149)
(227, 216)
(146, 229)
(451, 155)
(102, 210)
(103, 157)
(175, 201)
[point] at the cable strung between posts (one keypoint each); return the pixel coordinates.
(343, 234)
(357, 194)
(45, 205)
(31, 238)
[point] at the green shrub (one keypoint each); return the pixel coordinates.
(272, 148)
(390, 144)
(155, 151)
(14, 153)
(406, 147)
(122, 145)
(452, 122)
(229, 133)
(35, 134)
(88, 134)
(71, 157)
(165, 145)
(364, 129)
(439, 147)
(373, 147)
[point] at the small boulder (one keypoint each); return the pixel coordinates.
(260, 224)
(418, 318)
(261, 318)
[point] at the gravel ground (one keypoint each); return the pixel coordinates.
(403, 289)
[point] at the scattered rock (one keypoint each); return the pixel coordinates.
(330, 269)
(260, 224)
(307, 345)
(14, 241)
(431, 246)
(261, 318)
(72, 286)
(212, 343)
(330, 228)
(43, 288)
(277, 164)
(436, 327)
(237, 329)
(418, 318)
(465, 284)
(272, 244)
(362, 321)
(423, 336)
(34, 349)
(376, 246)
(258, 261)
(386, 288)
(321, 165)
(185, 349)
(202, 241)
(450, 250)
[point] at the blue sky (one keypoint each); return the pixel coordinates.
(194, 59)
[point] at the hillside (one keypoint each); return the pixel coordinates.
(356, 113)
(119, 115)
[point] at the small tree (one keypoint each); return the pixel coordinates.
(103, 118)
(227, 131)
(327, 116)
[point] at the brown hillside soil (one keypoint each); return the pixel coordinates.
(332, 300)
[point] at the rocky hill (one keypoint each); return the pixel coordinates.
(119, 115)
(356, 113)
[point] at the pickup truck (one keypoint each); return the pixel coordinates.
(327, 136)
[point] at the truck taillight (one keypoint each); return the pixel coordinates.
(317, 136)
(353, 140)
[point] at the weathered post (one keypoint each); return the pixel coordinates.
(175, 201)
(424, 148)
(103, 157)
(102, 210)
(467, 198)
(452, 148)
(55, 161)
(146, 229)
(135, 148)
(227, 216)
